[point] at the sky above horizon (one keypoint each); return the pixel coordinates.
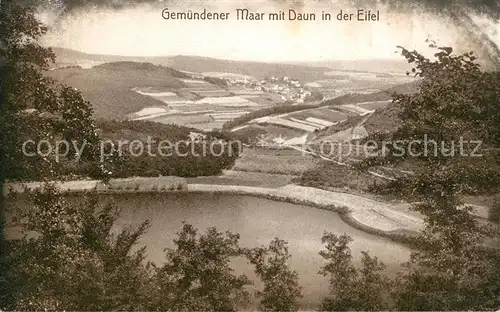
(141, 31)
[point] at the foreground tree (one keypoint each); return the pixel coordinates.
(456, 111)
(197, 275)
(281, 284)
(33, 107)
(352, 289)
(68, 257)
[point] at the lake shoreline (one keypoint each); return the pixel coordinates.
(400, 237)
(355, 218)
(361, 213)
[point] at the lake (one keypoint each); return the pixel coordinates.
(258, 221)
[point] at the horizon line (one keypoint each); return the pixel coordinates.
(292, 62)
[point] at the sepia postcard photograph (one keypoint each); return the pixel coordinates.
(266, 155)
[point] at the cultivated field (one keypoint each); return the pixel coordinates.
(311, 120)
(182, 119)
(202, 104)
(339, 82)
(265, 100)
(323, 113)
(285, 161)
(257, 179)
(374, 104)
(256, 133)
(205, 109)
(355, 109)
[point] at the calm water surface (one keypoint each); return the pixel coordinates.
(258, 221)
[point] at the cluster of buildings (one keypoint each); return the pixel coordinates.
(289, 88)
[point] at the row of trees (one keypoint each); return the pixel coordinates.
(77, 261)
(71, 256)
